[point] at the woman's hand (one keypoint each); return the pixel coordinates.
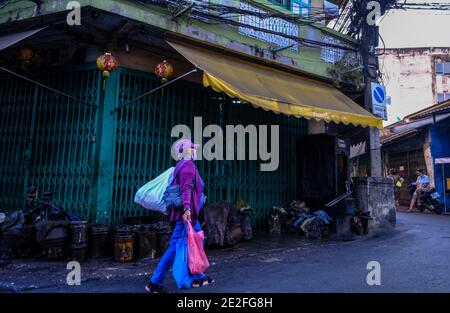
(187, 216)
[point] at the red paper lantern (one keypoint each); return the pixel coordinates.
(164, 70)
(107, 63)
(26, 54)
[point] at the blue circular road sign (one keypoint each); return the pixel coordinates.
(378, 94)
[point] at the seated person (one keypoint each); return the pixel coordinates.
(422, 185)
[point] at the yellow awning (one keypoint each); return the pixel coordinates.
(275, 90)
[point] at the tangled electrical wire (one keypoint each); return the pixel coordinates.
(4, 3)
(229, 15)
(436, 6)
(316, 13)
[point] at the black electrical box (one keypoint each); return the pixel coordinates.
(322, 168)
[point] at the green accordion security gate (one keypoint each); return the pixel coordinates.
(46, 140)
(96, 157)
(143, 144)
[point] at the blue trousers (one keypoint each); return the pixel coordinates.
(168, 258)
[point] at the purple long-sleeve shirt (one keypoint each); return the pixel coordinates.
(185, 178)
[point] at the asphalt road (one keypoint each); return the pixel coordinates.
(413, 258)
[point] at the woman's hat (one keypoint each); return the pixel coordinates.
(183, 143)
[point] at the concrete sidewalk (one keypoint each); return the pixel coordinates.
(412, 258)
(37, 273)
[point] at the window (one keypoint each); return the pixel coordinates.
(439, 68)
(272, 23)
(283, 3)
(333, 55)
(301, 7)
(440, 97)
(442, 68)
(295, 7)
(446, 67)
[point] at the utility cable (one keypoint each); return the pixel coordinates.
(47, 87)
(156, 89)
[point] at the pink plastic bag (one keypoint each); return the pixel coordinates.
(197, 260)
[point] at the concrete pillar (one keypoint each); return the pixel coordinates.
(373, 136)
(376, 195)
(375, 152)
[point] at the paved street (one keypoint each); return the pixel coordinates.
(414, 258)
(118, 118)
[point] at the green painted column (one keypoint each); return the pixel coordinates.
(29, 146)
(104, 150)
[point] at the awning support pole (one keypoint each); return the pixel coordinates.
(156, 89)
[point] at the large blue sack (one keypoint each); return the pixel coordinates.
(180, 268)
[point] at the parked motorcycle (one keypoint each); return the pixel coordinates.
(428, 201)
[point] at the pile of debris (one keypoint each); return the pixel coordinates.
(17, 236)
(299, 219)
(278, 220)
(359, 223)
(226, 224)
(245, 213)
(43, 228)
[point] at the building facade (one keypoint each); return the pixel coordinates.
(421, 141)
(415, 78)
(94, 140)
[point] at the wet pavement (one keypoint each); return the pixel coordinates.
(415, 257)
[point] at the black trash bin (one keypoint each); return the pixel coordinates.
(163, 233)
(145, 242)
(101, 240)
(78, 240)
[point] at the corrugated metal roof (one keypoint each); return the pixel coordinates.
(393, 137)
(437, 108)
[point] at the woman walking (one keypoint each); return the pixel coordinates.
(191, 186)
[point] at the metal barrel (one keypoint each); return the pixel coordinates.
(124, 246)
(100, 240)
(145, 242)
(79, 240)
(79, 232)
(163, 233)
